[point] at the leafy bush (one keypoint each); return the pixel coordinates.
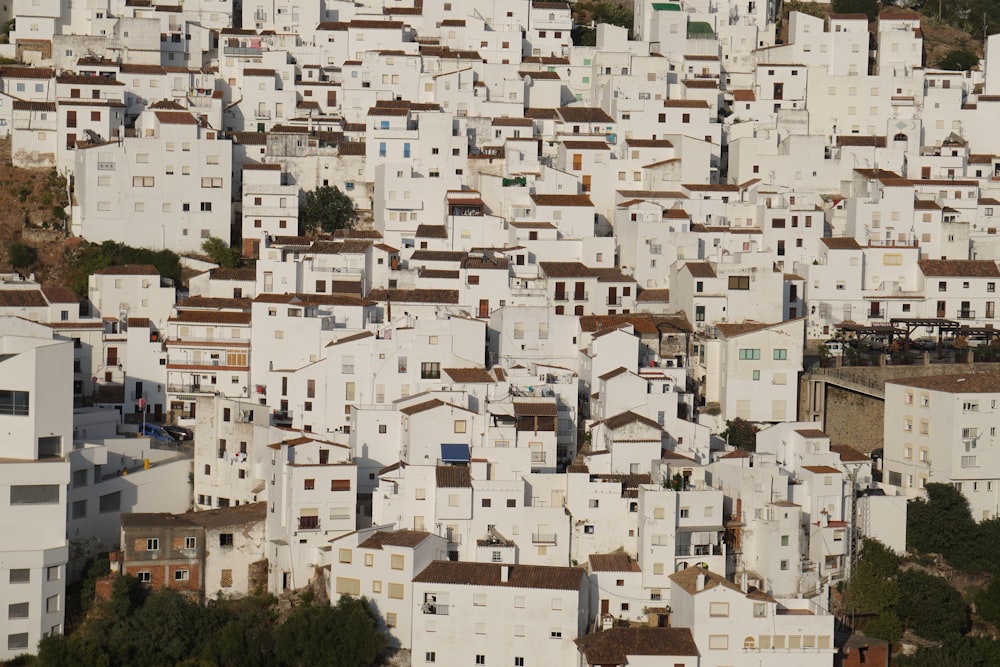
(91, 258)
(22, 255)
(959, 60)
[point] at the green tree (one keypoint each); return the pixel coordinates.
(91, 258)
(959, 60)
(345, 635)
(941, 522)
(741, 434)
(867, 7)
(327, 208)
(247, 637)
(885, 626)
(884, 561)
(869, 592)
(930, 607)
(21, 255)
(220, 253)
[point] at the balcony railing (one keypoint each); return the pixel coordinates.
(262, 113)
(186, 388)
(242, 50)
(281, 416)
(561, 297)
(581, 296)
(308, 523)
(435, 609)
(698, 550)
(966, 315)
(876, 314)
(614, 301)
(543, 538)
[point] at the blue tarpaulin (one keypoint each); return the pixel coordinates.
(455, 453)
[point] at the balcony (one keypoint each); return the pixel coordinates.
(698, 550)
(543, 538)
(281, 417)
(876, 314)
(435, 609)
(613, 301)
(262, 113)
(187, 388)
(248, 51)
(308, 523)
(561, 297)
(581, 296)
(966, 315)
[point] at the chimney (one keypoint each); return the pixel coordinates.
(505, 573)
(699, 582)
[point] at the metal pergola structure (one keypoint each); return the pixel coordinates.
(903, 328)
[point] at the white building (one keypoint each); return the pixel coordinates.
(940, 429)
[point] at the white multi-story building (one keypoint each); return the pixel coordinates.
(498, 613)
(940, 429)
(166, 187)
(36, 402)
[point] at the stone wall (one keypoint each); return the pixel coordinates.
(856, 419)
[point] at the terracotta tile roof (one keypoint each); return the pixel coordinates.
(229, 516)
(441, 274)
(656, 295)
(422, 407)
(488, 574)
(479, 262)
(215, 303)
(615, 645)
(701, 83)
(449, 296)
(686, 104)
(811, 433)
(469, 375)
(130, 270)
(736, 454)
(535, 408)
(84, 80)
(822, 470)
(734, 329)
(22, 298)
(398, 465)
(700, 269)
(643, 323)
(858, 140)
(361, 335)
(22, 105)
(848, 454)
(233, 274)
(352, 148)
(432, 231)
(583, 114)
(396, 538)
(959, 268)
(175, 118)
(626, 418)
(614, 562)
(133, 68)
(552, 76)
(649, 143)
(59, 295)
(744, 96)
(138, 322)
(211, 317)
(453, 477)
(961, 383)
(562, 200)
(438, 255)
(512, 122)
(566, 270)
(688, 580)
(613, 374)
(26, 73)
(840, 243)
(541, 114)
